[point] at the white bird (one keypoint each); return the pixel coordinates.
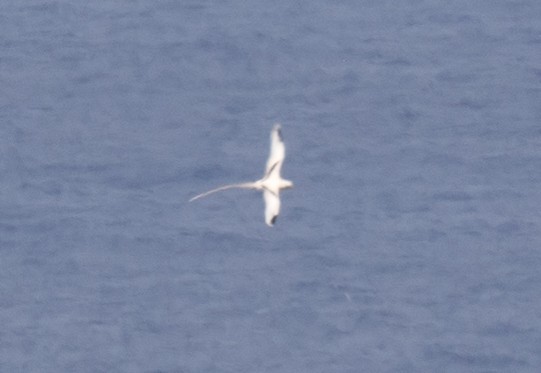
(271, 184)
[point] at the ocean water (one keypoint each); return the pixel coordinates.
(410, 243)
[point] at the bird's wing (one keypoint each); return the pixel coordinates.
(272, 206)
(277, 152)
(241, 185)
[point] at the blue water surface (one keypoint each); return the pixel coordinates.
(410, 243)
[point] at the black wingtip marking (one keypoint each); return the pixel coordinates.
(273, 220)
(278, 129)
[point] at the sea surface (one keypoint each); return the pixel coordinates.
(410, 243)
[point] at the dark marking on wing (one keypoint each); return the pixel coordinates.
(279, 131)
(273, 220)
(270, 191)
(272, 168)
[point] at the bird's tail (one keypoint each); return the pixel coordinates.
(231, 186)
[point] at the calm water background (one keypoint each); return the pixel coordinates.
(411, 242)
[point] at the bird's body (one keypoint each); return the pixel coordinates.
(271, 184)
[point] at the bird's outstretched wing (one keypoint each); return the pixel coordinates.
(231, 186)
(277, 152)
(272, 206)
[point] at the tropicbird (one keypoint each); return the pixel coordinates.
(271, 183)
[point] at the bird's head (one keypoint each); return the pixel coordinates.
(286, 184)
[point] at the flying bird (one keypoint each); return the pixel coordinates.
(271, 183)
